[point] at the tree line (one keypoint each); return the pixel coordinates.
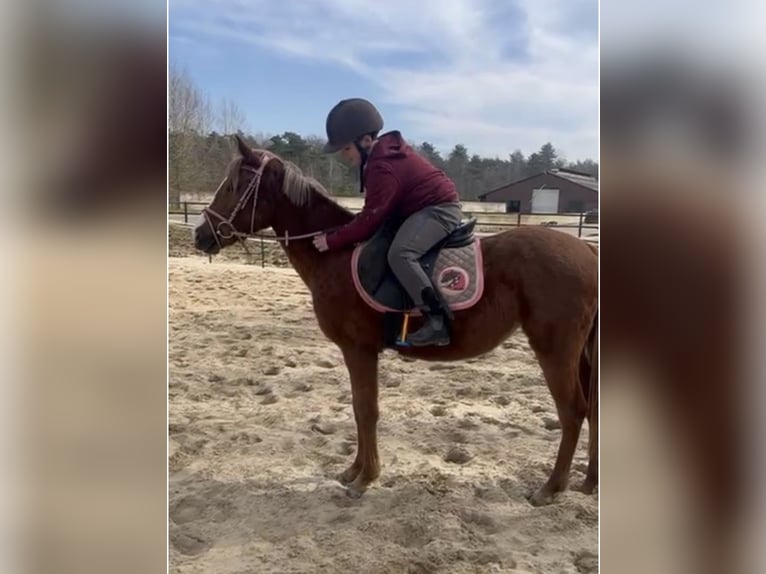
(200, 147)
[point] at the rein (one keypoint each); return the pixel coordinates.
(226, 223)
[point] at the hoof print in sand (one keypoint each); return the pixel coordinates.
(246, 438)
(324, 427)
(438, 411)
(551, 424)
(457, 455)
(467, 424)
(188, 543)
(390, 382)
(586, 562)
(441, 367)
(269, 399)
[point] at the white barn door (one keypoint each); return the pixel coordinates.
(545, 201)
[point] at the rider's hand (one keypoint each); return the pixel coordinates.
(320, 242)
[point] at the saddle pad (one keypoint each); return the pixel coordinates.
(457, 272)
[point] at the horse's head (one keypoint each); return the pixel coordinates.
(242, 204)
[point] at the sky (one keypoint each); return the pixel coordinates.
(493, 75)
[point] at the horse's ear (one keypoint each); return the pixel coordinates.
(243, 148)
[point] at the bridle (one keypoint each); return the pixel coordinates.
(225, 228)
(226, 223)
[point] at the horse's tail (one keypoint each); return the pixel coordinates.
(590, 378)
(589, 381)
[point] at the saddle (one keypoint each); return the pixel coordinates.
(454, 266)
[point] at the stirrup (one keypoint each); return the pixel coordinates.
(402, 340)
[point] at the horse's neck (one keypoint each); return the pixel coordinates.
(320, 214)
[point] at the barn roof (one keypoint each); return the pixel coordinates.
(577, 177)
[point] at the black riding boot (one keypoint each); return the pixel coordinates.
(435, 331)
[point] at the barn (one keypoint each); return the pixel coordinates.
(552, 191)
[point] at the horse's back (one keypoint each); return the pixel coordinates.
(542, 246)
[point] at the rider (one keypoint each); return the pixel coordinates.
(398, 183)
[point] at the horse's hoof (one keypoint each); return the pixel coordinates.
(542, 498)
(357, 488)
(354, 493)
(348, 476)
(588, 487)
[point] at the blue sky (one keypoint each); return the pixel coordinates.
(494, 75)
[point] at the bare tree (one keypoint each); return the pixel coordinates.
(189, 116)
(231, 118)
(190, 110)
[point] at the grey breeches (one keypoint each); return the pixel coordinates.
(416, 236)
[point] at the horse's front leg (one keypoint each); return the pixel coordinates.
(362, 367)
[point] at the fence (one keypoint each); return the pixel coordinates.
(487, 223)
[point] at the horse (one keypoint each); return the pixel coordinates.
(536, 278)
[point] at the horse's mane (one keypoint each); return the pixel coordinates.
(299, 188)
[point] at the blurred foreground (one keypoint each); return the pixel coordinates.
(84, 230)
(682, 312)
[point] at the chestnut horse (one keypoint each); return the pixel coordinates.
(541, 280)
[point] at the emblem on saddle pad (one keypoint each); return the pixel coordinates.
(453, 280)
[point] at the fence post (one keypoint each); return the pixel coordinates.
(579, 226)
(262, 255)
(186, 212)
(518, 218)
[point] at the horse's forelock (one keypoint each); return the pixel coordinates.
(232, 174)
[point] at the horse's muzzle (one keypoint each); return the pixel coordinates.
(205, 241)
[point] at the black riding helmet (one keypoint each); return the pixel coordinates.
(348, 121)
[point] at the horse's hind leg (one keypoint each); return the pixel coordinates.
(560, 370)
(591, 477)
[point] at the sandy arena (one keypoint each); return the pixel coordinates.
(261, 422)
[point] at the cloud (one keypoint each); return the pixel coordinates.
(491, 74)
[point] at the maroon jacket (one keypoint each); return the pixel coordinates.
(398, 182)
